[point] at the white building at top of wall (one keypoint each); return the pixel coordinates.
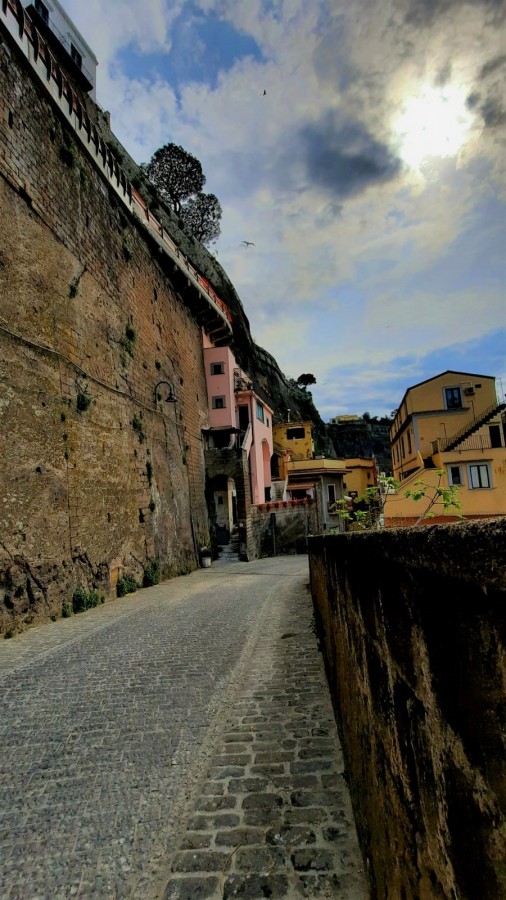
(66, 42)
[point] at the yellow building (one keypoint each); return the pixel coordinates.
(293, 441)
(454, 423)
(360, 475)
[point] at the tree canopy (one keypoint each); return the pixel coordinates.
(176, 173)
(178, 177)
(201, 215)
(305, 379)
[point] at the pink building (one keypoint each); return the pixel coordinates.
(240, 434)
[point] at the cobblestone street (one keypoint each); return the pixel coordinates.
(176, 743)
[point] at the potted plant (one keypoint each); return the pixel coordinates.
(205, 557)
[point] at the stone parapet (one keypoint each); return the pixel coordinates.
(412, 626)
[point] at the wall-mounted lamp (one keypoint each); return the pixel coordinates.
(170, 398)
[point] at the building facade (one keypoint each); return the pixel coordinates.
(66, 42)
(450, 431)
(239, 443)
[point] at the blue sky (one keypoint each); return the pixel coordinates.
(371, 176)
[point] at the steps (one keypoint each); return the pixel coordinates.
(468, 430)
(229, 553)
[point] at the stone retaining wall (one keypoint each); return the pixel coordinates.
(412, 626)
(99, 474)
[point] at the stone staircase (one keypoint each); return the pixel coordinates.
(229, 553)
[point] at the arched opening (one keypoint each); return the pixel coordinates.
(225, 504)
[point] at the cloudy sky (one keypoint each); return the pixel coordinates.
(371, 176)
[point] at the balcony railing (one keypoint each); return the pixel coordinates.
(474, 442)
(242, 382)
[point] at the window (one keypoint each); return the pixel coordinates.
(409, 441)
(403, 454)
(218, 403)
(479, 475)
(76, 56)
(218, 368)
(454, 475)
(42, 10)
(331, 489)
(453, 398)
(260, 412)
(295, 434)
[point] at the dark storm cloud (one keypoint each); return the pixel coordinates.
(423, 13)
(344, 159)
(492, 65)
(493, 112)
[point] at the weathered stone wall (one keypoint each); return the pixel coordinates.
(97, 473)
(413, 631)
(292, 525)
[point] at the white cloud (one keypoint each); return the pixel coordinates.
(349, 265)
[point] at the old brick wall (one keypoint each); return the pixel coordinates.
(413, 631)
(89, 318)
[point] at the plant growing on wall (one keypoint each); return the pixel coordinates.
(128, 339)
(137, 427)
(83, 400)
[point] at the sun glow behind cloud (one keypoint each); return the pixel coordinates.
(370, 175)
(435, 122)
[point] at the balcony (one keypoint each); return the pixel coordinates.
(242, 382)
(475, 442)
(62, 47)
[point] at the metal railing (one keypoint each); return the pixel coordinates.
(149, 219)
(471, 426)
(97, 146)
(67, 45)
(473, 442)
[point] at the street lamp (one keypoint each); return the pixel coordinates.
(170, 398)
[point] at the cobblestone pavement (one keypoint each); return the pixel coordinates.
(177, 743)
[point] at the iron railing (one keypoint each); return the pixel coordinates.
(450, 442)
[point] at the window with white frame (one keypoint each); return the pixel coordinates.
(218, 403)
(260, 412)
(454, 475)
(479, 476)
(217, 368)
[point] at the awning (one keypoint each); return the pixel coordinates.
(300, 486)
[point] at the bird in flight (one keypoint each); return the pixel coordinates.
(249, 244)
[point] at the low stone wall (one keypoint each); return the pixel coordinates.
(293, 521)
(413, 629)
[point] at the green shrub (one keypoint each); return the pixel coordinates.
(151, 573)
(126, 585)
(137, 427)
(83, 599)
(83, 401)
